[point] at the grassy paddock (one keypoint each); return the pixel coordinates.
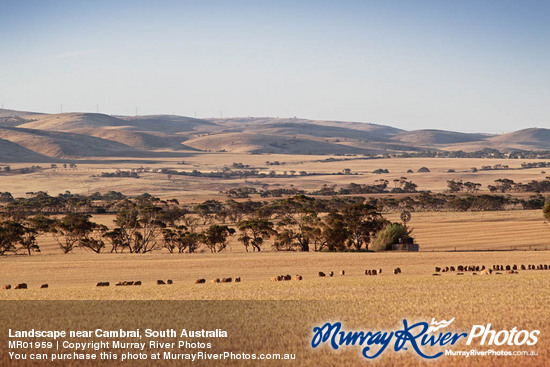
(279, 316)
(74, 276)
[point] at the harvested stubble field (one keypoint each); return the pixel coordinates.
(74, 276)
(474, 231)
(358, 301)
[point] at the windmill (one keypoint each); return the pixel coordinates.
(405, 217)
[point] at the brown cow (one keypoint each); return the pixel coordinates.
(169, 281)
(331, 273)
(460, 268)
(102, 284)
(437, 269)
(200, 281)
(44, 286)
(321, 274)
(459, 273)
(227, 280)
(159, 282)
(452, 268)
(237, 279)
(508, 267)
(21, 286)
(379, 271)
(522, 267)
(6, 286)
(137, 282)
(298, 277)
(343, 272)
(514, 267)
(122, 283)
(275, 278)
(215, 280)
(287, 277)
(436, 274)
(397, 270)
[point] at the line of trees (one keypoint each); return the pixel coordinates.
(400, 185)
(483, 153)
(145, 224)
(298, 223)
(502, 185)
(426, 201)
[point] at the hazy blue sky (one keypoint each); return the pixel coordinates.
(461, 65)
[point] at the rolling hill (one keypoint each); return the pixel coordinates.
(33, 137)
(12, 152)
(534, 137)
(438, 137)
(65, 145)
(239, 142)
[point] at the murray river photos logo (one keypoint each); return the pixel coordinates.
(420, 337)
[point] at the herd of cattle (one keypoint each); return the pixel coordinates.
(459, 270)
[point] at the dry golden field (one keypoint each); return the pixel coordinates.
(74, 276)
(289, 310)
(193, 189)
(250, 307)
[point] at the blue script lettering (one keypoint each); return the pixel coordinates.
(412, 335)
(405, 335)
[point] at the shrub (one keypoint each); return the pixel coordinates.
(389, 235)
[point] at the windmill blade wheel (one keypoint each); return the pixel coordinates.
(405, 216)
